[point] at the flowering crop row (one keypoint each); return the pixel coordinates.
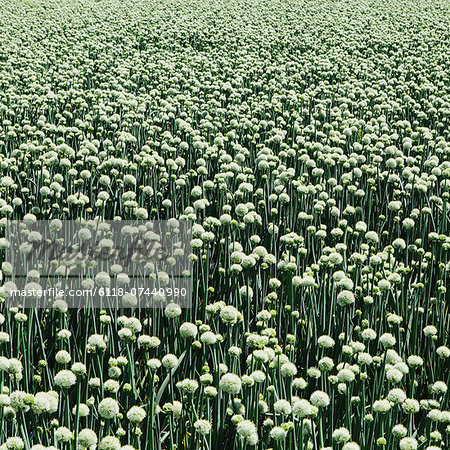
(308, 144)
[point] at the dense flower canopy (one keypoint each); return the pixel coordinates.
(307, 142)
